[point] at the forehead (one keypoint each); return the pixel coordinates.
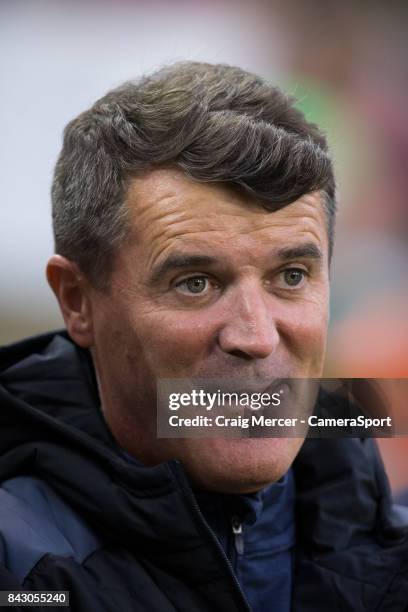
(169, 210)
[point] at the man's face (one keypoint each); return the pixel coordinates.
(209, 284)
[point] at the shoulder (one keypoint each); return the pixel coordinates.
(34, 522)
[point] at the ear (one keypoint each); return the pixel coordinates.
(72, 292)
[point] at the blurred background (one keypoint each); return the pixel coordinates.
(344, 61)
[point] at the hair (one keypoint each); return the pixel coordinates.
(217, 123)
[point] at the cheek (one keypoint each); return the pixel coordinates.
(174, 343)
(113, 340)
(304, 332)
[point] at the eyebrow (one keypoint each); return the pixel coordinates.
(178, 261)
(308, 250)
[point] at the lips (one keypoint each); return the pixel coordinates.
(240, 386)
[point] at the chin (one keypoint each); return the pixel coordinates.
(238, 465)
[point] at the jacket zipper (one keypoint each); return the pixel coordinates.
(237, 531)
(185, 487)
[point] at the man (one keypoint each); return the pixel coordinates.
(193, 217)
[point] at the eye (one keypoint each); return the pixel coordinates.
(194, 284)
(293, 277)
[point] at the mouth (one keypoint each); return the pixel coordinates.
(245, 398)
(239, 387)
(279, 385)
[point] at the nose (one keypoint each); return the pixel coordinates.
(250, 329)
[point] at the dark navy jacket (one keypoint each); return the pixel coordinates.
(257, 532)
(76, 515)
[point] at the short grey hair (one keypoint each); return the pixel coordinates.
(217, 123)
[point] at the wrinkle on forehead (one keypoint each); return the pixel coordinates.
(167, 207)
